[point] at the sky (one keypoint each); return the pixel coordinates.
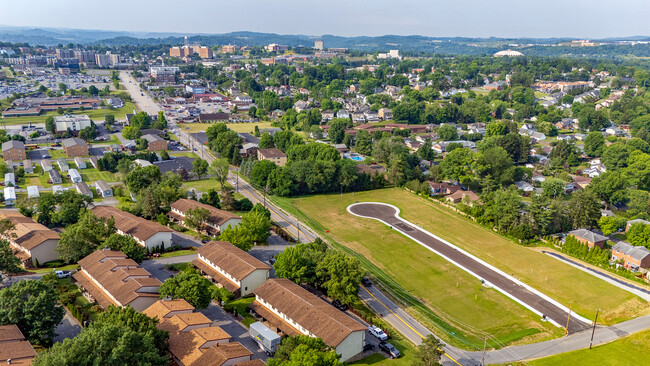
(449, 18)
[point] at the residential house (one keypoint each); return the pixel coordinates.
(219, 117)
(147, 233)
(10, 179)
(75, 147)
(14, 348)
(588, 237)
(103, 189)
(385, 114)
(13, 150)
(301, 105)
(524, 186)
(56, 189)
(9, 196)
(538, 177)
(75, 177)
(82, 188)
(32, 192)
(634, 258)
(93, 162)
(343, 113)
(28, 166)
(296, 311)
(274, 155)
(327, 115)
(155, 143)
(217, 221)
(31, 242)
(629, 224)
(111, 278)
(63, 165)
(442, 189)
(46, 165)
(80, 162)
(55, 177)
(467, 197)
(231, 267)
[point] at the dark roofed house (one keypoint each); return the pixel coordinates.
(214, 117)
(13, 150)
(588, 237)
(274, 155)
(634, 258)
(296, 311)
(175, 165)
(442, 189)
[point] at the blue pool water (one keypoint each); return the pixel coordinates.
(356, 158)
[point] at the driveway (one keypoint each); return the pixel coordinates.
(237, 331)
(69, 328)
(157, 266)
(516, 290)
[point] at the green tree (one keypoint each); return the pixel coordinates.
(131, 133)
(8, 261)
(254, 228)
(126, 245)
(584, 209)
(63, 87)
(553, 187)
(219, 168)
(299, 263)
(426, 151)
(49, 124)
(457, 164)
(109, 119)
(448, 133)
(304, 350)
(119, 336)
(363, 143)
(33, 307)
(337, 130)
(594, 144)
(200, 167)
(341, 275)
(608, 224)
(188, 285)
(197, 218)
(266, 141)
(429, 352)
(261, 172)
(142, 177)
(639, 203)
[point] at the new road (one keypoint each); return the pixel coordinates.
(507, 285)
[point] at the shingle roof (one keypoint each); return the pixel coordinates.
(72, 142)
(119, 277)
(14, 346)
(219, 354)
(130, 224)
(162, 308)
(306, 309)
(28, 233)
(217, 217)
(636, 252)
(13, 144)
(272, 153)
(588, 235)
(231, 259)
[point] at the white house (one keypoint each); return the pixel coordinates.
(30, 241)
(147, 233)
(32, 192)
(75, 177)
(10, 196)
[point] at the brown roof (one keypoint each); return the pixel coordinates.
(130, 224)
(460, 194)
(255, 362)
(28, 233)
(306, 309)
(120, 278)
(225, 282)
(271, 153)
(230, 259)
(217, 217)
(14, 346)
(219, 354)
(162, 308)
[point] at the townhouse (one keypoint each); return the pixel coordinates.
(218, 220)
(13, 150)
(588, 237)
(231, 267)
(14, 348)
(75, 147)
(634, 258)
(30, 241)
(147, 233)
(111, 278)
(274, 155)
(296, 311)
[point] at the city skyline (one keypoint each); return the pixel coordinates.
(473, 18)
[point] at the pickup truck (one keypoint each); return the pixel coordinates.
(62, 274)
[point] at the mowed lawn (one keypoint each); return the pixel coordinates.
(628, 351)
(433, 279)
(237, 127)
(94, 114)
(454, 295)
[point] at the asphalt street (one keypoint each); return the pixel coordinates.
(388, 215)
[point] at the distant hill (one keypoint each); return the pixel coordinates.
(412, 43)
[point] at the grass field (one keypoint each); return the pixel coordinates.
(94, 114)
(113, 140)
(237, 127)
(203, 185)
(435, 281)
(628, 351)
(90, 175)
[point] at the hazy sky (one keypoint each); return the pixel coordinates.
(476, 18)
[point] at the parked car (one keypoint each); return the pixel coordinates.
(337, 304)
(272, 260)
(390, 349)
(366, 282)
(63, 274)
(377, 332)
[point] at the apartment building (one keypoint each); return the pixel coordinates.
(147, 233)
(231, 267)
(295, 311)
(634, 258)
(218, 220)
(13, 150)
(163, 74)
(30, 241)
(74, 147)
(274, 155)
(111, 278)
(155, 143)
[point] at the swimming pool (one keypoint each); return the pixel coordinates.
(355, 158)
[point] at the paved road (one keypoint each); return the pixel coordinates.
(237, 331)
(157, 266)
(512, 288)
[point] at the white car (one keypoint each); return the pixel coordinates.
(377, 332)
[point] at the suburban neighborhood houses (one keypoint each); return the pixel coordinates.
(250, 198)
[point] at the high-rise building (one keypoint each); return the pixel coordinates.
(319, 45)
(229, 48)
(63, 53)
(184, 51)
(164, 74)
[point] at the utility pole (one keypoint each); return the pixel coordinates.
(483, 355)
(568, 318)
(237, 184)
(297, 219)
(593, 330)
